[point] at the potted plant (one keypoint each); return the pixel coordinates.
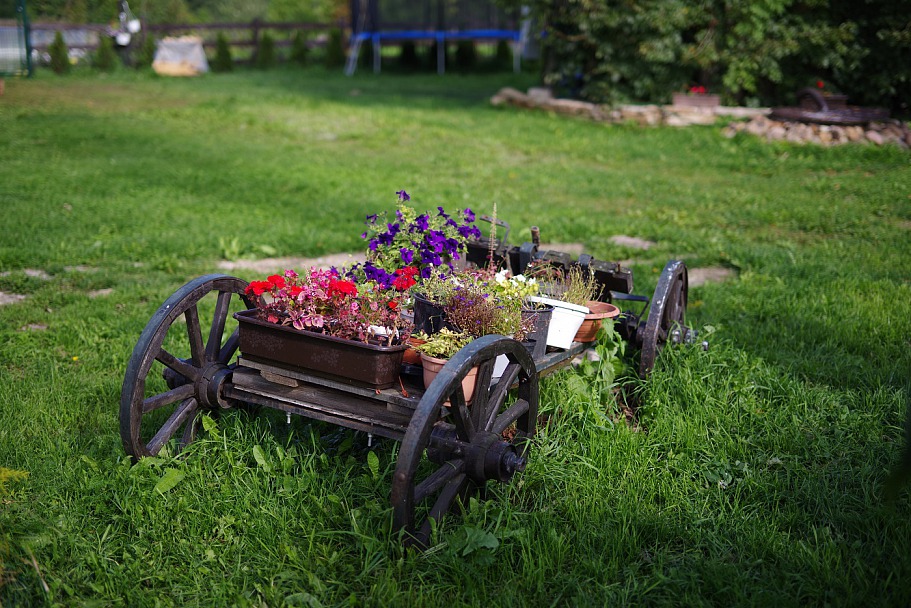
(535, 315)
(436, 349)
(325, 323)
(567, 292)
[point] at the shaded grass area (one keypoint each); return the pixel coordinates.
(757, 475)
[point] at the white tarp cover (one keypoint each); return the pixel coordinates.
(182, 56)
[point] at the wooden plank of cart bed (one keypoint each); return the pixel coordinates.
(320, 403)
(390, 395)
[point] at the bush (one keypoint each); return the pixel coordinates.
(60, 55)
(105, 58)
(265, 52)
(146, 54)
(299, 48)
(223, 61)
(335, 54)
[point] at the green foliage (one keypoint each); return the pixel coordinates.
(223, 60)
(265, 52)
(365, 56)
(146, 54)
(751, 52)
(335, 52)
(59, 53)
(299, 49)
(105, 58)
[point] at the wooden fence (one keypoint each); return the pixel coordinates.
(241, 35)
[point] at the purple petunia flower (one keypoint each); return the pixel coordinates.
(469, 215)
(407, 255)
(422, 223)
(403, 196)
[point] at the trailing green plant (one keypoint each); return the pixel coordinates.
(223, 60)
(105, 58)
(59, 54)
(299, 49)
(335, 52)
(265, 52)
(442, 344)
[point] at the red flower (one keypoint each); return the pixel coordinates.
(295, 290)
(820, 84)
(408, 271)
(393, 304)
(258, 287)
(342, 288)
(277, 281)
(403, 282)
(698, 90)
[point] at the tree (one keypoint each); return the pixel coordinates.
(223, 60)
(60, 54)
(105, 57)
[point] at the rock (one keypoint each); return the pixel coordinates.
(855, 133)
(540, 93)
(776, 132)
(875, 137)
(10, 298)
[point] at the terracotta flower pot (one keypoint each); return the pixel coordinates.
(592, 323)
(432, 367)
(412, 357)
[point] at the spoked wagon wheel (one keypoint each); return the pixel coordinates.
(666, 318)
(174, 375)
(466, 444)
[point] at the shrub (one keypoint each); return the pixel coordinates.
(60, 55)
(105, 57)
(265, 52)
(223, 61)
(335, 54)
(299, 48)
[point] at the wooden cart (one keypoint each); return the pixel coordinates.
(186, 362)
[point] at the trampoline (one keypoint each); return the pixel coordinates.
(375, 22)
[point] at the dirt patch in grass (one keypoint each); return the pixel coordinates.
(10, 298)
(709, 274)
(633, 242)
(277, 265)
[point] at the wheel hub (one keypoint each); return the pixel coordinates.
(209, 386)
(489, 457)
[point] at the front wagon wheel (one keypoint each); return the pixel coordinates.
(177, 369)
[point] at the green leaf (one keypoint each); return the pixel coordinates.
(210, 426)
(260, 458)
(476, 538)
(169, 480)
(373, 463)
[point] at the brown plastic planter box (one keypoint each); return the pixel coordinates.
(348, 361)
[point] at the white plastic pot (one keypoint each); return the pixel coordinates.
(564, 323)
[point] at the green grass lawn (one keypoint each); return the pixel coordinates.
(756, 473)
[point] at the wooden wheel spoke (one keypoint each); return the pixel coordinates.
(194, 333)
(453, 488)
(517, 409)
(213, 344)
(438, 479)
(230, 347)
(498, 395)
(167, 398)
(481, 392)
(184, 369)
(459, 412)
(183, 412)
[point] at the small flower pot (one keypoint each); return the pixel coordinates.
(432, 367)
(564, 322)
(593, 320)
(428, 317)
(412, 357)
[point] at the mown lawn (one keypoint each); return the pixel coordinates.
(756, 474)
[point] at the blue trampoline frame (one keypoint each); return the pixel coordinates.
(440, 37)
